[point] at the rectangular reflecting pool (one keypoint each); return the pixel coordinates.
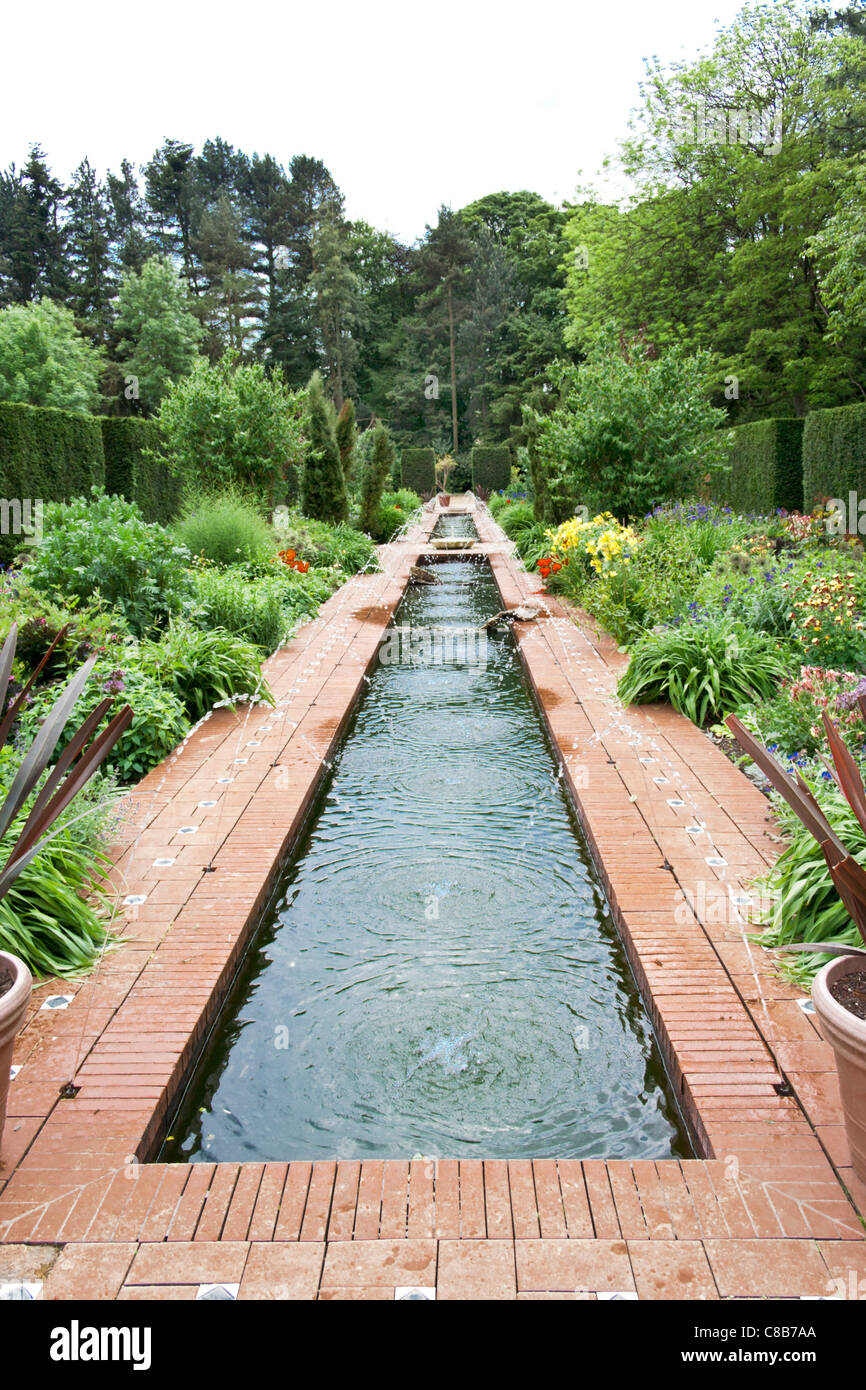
(440, 974)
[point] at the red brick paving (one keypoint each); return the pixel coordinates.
(764, 1213)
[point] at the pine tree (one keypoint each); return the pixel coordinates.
(377, 475)
(323, 487)
(32, 232)
(443, 262)
(130, 246)
(338, 304)
(88, 252)
(170, 183)
(160, 335)
(231, 291)
(347, 437)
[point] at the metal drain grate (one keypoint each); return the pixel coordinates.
(58, 1001)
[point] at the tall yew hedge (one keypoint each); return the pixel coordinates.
(491, 467)
(46, 455)
(134, 469)
(418, 470)
(766, 469)
(834, 453)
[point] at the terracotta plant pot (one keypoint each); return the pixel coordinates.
(445, 499)
(13, 1011)
(846, 1034)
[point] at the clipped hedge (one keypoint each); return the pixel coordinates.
(491, 467)
(133, 472)
(418, 470)
(766, 467)
(834, 453)
(46, 455)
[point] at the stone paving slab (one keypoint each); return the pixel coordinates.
(677, 834)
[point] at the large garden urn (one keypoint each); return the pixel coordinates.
(846, 1034)
(15, 988)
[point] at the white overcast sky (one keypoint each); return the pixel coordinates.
(409, 104)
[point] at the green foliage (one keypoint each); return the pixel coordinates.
(378, 469)
(491, 466)
(347, 437)
(834, 454)
(791, 721)
(404, 498)
(135, 470)
(225, 528)
(394, 511)
(45, 455)
(718, 250)
(229, 424)
(631, 430)
(159, 720)
(705, 670)
(840, 248)
(93, 628)
(418, 470)
(205, 667)
(806, 905)
(516, 517)
(323, 544)
(766, 463)
(54, 914)
(160, 334)
(250, 607)
(44, 360)
(103, 545)
(323, 483)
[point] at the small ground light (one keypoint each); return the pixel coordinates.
(58, 1001)
(23, 1291)
(806, 1005)
(659, 780)
(217, 1293)
(675, 801)
(208, 803)
(415, 1293)
(162, 863)
(715, 862)
(610, 1295)
(134, 899)
(223, 780)
(187, 830)
(694, 829)
(13, 1072)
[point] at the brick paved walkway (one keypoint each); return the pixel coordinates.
(677, 832)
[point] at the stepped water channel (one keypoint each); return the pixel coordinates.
(440, 974)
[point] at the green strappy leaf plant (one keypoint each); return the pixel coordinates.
(41, 790)
(848, 876)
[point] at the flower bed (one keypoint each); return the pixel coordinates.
(764, 617)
